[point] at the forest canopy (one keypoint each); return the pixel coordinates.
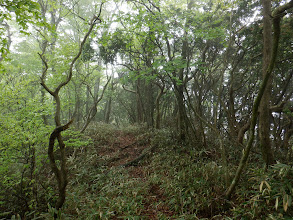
(146, 109)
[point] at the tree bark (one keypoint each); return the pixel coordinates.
(149, 104)
(277, 15)
(61, 174)
(158, 112)
(108, 110)
(264, 110)
(139, 104)
(179, 92)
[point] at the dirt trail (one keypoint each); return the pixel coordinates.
(127, 148)
(124, 149)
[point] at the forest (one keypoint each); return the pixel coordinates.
(146, 109)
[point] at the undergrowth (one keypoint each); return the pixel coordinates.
(194, 187)
(173, 181)
(265, 194)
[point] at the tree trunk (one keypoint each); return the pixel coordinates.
(264, 110)
(277, 15)
(87, 104)
(139, 105)
(286, 145)
(77, 108)
(179, 92)
(108, 110)
(149, 106)
(44, 116)
(158, 113)
(61, 174)
(181, 113)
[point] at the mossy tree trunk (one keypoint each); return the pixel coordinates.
(276, 16)
(264, 110)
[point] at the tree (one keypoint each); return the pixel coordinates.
(61, 174)
(277, 15)
(264, 110)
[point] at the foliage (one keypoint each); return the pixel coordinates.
(111, 44)
(102, 133)
(186, 68)
(76, 139)
(22, 147)
(269, 194)
(194, 187)
(23, 12)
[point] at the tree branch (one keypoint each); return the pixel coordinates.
(277, 15)
(92, 24)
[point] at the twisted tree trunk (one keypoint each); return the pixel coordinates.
(277, 15)
(61, 174)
